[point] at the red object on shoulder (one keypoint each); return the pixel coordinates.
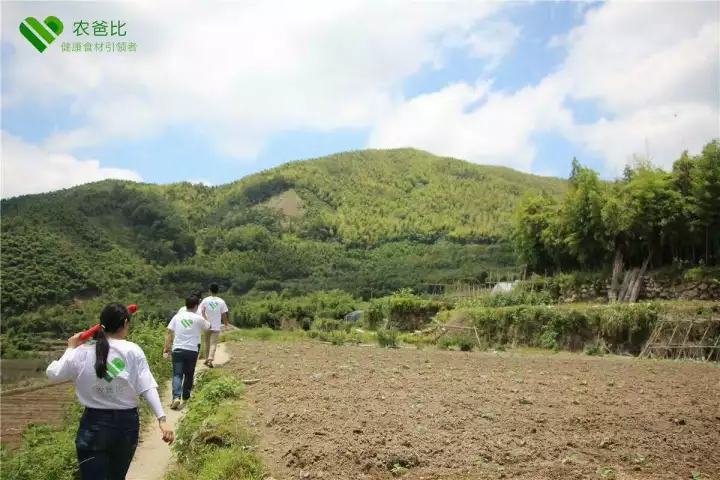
(89, 333)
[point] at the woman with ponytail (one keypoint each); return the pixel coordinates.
(109, 377)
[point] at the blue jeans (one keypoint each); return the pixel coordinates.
(183, 372)
(105, 443)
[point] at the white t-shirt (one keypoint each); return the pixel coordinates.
(127, 377)
(188, 328)
(214, 308)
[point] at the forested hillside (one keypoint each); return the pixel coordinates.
(369, 222)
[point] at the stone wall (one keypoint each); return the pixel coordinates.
(652, 289)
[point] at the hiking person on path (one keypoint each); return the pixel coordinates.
(185, 334)
(184, 308)
(214, 309)
(109, 376)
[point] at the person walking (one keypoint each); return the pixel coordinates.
(185, 335)
(214, 309)
(109, 377)
(184, 308)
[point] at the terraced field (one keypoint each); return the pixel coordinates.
(21, 407)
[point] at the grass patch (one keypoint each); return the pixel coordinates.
(212, 440)
(463, 342)
(419, 340)
(335, 337)
(387, 338)
(264, 334)
(596, 348)
(507, 299)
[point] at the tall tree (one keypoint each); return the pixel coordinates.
(706, 190)
(582, 210)
(532, 219)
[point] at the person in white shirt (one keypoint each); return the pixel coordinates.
(184, 308)
(109, 376)
(185, 334)
(214, 309)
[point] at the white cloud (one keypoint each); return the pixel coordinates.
(497, 132)
(653, 68)
(241, 70)
(28, 169)
(491, 41)
(207, 183)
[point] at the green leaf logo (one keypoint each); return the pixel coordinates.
(113, 369)
(186, 322)
(40, 34)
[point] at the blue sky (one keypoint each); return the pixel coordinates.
(171, 151)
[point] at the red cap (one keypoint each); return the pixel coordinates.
(133, 308)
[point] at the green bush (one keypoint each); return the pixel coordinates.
(407, 312)
(445, 342)
(329, 325)
(387, 338)
(507, 299)
(375, 314)
(595, 348)
(337, 338)
(274, 308)
(264, 334)
(268, 285)
(465, 343)
(548, 338)
(355, 338)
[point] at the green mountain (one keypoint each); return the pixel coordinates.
(367, 221)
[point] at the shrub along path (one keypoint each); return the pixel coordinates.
(153, 456)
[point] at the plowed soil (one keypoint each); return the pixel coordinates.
(44, 404)
(349, 412)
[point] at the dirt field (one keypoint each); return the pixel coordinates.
(352, 412)
(32, 405)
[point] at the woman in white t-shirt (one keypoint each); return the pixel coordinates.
(109, 376)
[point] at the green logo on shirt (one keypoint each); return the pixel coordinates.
(186, 322)
(213, 305)
(113, 369)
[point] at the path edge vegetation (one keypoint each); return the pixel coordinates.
(212, 439)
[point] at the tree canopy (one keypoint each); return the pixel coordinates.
(666, 217)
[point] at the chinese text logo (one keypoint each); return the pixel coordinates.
(42, 35)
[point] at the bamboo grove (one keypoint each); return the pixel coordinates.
(647, 217)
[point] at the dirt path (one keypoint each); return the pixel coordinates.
(153, 456)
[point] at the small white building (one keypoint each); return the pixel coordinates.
(503, 287)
